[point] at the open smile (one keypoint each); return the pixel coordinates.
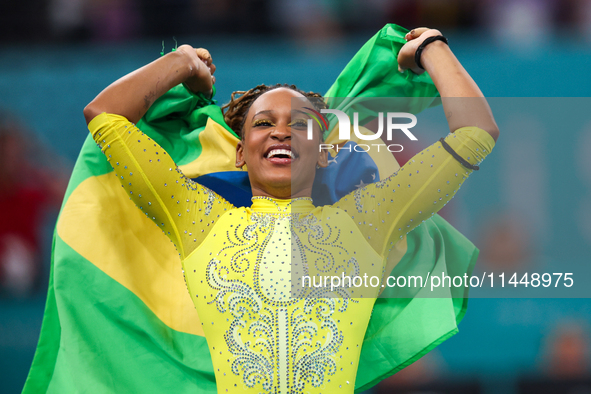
(281, 154)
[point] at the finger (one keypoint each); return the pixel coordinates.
(213, 80)
(204, 55)
(415, 33)
(202, 52)
(212, 68)
(205, 60)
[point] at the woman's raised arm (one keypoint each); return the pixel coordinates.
(132, 95)
(184, 210)
(463, 102)
(387, 210)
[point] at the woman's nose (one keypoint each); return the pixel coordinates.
(281, 132)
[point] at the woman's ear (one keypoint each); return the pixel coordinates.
(240, 155)
(323, 158)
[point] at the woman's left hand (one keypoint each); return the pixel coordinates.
(414, 38)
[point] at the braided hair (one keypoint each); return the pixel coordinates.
(240, 102)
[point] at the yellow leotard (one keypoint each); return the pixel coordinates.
(266, 331)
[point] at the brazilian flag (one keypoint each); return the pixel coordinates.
(118, 317)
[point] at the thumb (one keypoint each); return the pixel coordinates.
(415, 33)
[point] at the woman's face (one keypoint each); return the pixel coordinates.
(281, 161)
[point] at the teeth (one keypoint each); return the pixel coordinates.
(277, 152)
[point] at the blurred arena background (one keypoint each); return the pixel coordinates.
(528, 210)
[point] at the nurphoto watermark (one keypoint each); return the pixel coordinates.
(345, 125)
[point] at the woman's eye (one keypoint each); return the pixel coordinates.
(299, 123)
(263, 123)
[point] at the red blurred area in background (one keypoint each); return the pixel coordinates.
(28, 189)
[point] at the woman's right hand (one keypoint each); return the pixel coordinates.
(201, 78)
(132, 95)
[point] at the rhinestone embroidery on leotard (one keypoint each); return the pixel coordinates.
(266, 307)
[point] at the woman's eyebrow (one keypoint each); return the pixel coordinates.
(264, 112)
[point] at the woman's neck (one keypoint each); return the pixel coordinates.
(281, 194)
(266, 204)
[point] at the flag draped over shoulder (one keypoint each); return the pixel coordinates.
(118, 316)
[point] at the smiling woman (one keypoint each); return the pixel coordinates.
(244, 266)
(281, 160)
